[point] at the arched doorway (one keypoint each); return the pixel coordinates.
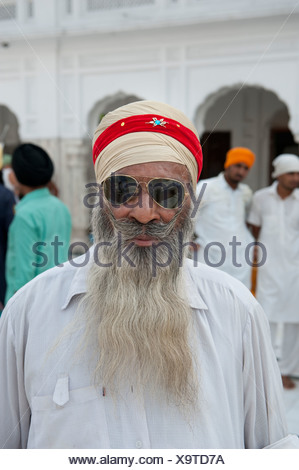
(99, 110)
(251, 117)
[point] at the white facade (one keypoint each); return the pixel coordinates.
(230, 65)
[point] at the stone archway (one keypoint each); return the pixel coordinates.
(102, 107)
(9, 129)
(247, 118)
(106, 105)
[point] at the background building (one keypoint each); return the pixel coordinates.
(231, 65)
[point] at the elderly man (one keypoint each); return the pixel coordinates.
(131, 346)
(274, 217)
(221, 233)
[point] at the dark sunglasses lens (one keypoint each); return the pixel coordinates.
(167, 193)
(118, 189)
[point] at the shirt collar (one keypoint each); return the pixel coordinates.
(79, 286)
(273, 187)
(273, 190)
(193, 295)
(35, 194)
(225, 183)
(222, 179)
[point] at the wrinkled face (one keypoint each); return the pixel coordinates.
(289, 181)
(236, 173)
(141, 207)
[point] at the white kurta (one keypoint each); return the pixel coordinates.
(47, 400)
(278, 278)
(221, 216)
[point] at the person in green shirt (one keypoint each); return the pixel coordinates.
(39, 236)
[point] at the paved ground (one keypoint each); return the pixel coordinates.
(291, 398)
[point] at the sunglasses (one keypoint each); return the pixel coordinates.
(166, 192)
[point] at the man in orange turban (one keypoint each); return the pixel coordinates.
(221, 233)
(241, 157)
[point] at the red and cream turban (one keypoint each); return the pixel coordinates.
(143, 132)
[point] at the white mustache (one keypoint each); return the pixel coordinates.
(132, 229)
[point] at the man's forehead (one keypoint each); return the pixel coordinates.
(240, 165)
(157, 170)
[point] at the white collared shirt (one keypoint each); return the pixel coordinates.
(278, 278)
(221, 216)
(47, 396)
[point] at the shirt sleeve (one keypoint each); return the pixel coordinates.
(248, 201)
(255, 217)
(264, 414)
(14, 408)
(20, 260)
(9, 211)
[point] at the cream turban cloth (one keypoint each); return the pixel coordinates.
(143, 147)
(285, 163)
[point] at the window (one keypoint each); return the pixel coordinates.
(92, 5)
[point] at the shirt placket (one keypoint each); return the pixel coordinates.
(281, 219)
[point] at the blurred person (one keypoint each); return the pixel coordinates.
(274, 218)
(6, 171)
(7, 203)
(132, 345)
(39, 235)
(8, 176)
(221, 232)
(10, 182)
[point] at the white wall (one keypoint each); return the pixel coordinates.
(52, 84)
(54, 72)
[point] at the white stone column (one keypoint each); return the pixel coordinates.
(74, 164)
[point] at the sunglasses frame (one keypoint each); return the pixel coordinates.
(138, 183)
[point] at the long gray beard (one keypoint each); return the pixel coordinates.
(142, 321)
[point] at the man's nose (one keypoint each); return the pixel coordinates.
(144, 210)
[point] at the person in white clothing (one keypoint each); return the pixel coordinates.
(221, 234)
(274, 217)
(131, 345)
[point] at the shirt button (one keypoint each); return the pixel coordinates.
(138, 444)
